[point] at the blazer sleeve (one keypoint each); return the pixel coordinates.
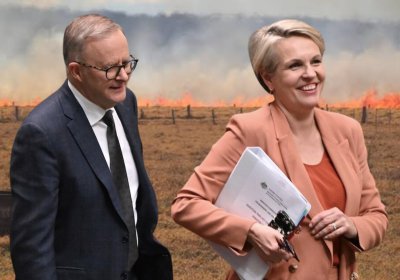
(372, 220)
(34, 184)
(194, 207)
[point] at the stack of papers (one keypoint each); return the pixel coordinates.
(258, 189)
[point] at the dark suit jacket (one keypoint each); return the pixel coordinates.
(67, 221)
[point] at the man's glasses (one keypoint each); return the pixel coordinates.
(113, 71)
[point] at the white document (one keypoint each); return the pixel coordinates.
(258, 189)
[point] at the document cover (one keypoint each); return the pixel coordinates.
(257, 189)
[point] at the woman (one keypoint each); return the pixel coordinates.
(322, 153)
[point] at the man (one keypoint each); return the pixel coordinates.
(70, 219)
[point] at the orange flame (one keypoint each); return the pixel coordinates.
(369, 99)
(187, 99)
(372, 100)
(162, 101)
(8, 102)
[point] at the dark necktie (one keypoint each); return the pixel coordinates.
(120, 178)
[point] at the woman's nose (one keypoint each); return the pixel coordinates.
(309, 71)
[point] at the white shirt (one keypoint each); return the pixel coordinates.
(94, 114)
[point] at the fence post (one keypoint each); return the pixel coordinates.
(364, 115)
(376, 117)
(213, 116)
(142, 114)
(189, 114)
(16, 113)
(173, 116)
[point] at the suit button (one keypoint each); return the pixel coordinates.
(125, 239)
(293, 268)
(124, 276)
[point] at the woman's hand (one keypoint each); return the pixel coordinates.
(265, 241)
(332, 223)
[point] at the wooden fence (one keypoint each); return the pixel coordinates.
(14, 113)
(372, 116)
(376, 116)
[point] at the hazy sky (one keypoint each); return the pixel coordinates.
(202, 55)
(333, 9)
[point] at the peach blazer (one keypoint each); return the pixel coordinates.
(268, 128)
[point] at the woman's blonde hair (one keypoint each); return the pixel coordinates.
(262, 42)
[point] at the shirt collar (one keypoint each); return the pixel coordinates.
(93, 112)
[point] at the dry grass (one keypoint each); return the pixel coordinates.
(6, 272)
(171, 153)
(7, 134)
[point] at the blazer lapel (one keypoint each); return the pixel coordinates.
(292, 162)
(127, 117)
(338, 149)
(86, 140)
(294, 166)
(146, 204)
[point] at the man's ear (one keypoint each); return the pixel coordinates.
(74, 71)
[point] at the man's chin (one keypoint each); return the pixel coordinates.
(118, 95)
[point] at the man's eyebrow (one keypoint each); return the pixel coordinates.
(110, 64)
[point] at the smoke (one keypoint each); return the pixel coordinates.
(35, 74)
(207, 56)
(202, 55)
(387, 10)
(350, 75)
(31, 53)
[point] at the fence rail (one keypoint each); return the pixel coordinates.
(375, 116)
(364, 115)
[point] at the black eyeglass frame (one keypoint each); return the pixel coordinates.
(133, 62)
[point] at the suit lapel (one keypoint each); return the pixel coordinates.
(85, 138)
(292, 162)
(294, 166)
(338, 149)
(146, 200)
(127, 117)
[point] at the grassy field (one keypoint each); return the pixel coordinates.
(173, 150)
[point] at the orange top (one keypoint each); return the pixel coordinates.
(330, 191)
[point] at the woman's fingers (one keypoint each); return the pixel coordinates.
(266, 242)
(332, 223)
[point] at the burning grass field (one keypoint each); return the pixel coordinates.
(173, 150)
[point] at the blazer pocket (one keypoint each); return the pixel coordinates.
(70, 273)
